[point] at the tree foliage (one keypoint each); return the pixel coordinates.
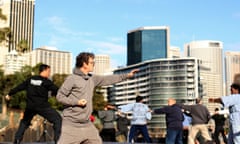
(58, 79)
(5, 32)
(22, 46)
(98, 100)
(19, 100)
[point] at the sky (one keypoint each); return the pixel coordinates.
(101, 26)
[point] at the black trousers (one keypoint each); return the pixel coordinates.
(108, 135)
(48, 113)
(218, 130)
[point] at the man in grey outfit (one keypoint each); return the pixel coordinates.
(200, 117)
(108, 118)
(76, 95)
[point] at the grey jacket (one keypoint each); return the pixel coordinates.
(199, 113)
(108, 117)
(80, 86)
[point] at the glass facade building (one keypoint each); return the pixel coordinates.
(147, 43)
(158, 80)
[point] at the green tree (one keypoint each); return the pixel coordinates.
(98, 100)
(2, 16)
(57, 79)
(22, 46)
(5, 32)
(26, 71)
(18, 101)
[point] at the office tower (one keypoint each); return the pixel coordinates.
(232, 67)
(14, 62)
(146, 43)
(102, 64)
(60, 61)
(20, 20)
(174, 52)
(210, 54)
(102, 67)
(158, 80)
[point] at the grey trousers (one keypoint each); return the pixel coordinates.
(86, 133)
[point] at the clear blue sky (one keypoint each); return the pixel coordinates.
(101, 26)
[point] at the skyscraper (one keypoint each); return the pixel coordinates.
(147, 43)
(210, 54)
(60, 61)
(14, 62)
(102, 64)
(174, 52)
(20, 20)
(232, 67)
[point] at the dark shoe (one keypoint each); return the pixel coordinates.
(16, 141)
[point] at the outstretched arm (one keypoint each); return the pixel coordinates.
(132, 73)
(215, 100)
(18, 88)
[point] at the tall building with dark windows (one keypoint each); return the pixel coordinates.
(20, 20)
(147, 43)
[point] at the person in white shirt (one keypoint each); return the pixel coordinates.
(140, 114)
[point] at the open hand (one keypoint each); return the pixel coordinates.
(132, 73)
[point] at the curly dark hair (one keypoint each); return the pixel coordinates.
(83, 58)
(236, 86)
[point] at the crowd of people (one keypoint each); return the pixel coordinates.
(184, 123)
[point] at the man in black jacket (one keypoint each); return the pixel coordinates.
(219, 126)
(37, 88)
(174, 119)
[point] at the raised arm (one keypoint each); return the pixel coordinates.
(215, 100)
